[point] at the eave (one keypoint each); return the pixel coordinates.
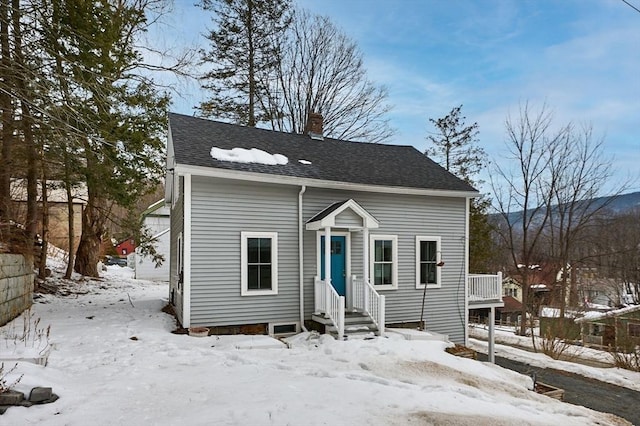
(182, 169)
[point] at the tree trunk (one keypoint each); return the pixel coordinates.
(7, 115)
(88, 254)
(71, 218)
(42, 267)
(29, 138)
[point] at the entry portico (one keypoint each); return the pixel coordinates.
(344, 218)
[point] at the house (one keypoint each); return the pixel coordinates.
(511, 312)
(618, 328)
(512, 288)
(251, 210)
(156, 219)
(555, 323)
(596, 289)
(543, 287)
(57, 210)
(125, 247)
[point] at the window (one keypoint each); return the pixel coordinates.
(513, 292)
(427, 258)
(179, 266)
(259, 263)
(597, 330)
(634, 329)
(383, 263)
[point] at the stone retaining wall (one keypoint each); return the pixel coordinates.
(16, 286)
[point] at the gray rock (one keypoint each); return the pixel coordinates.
(11, 397)
(40, 394)
(3, 409)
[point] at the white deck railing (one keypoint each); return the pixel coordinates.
(485, 287)
(329, 302)
(369, 301)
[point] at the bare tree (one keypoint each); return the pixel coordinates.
(321, 70)
(522, 186)
(582, 171)
(615, 252)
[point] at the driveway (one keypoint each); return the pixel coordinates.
(579, 390)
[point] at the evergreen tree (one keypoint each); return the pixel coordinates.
(243, 52)
(454, 146)
(115, 116)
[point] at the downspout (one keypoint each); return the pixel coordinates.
(466, 275)
(303, 188)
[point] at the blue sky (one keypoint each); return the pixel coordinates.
(580, 57)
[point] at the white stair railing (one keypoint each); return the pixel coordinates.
(485, 287)
(369, 301)
(329, 302)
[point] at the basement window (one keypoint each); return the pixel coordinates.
(284, 329)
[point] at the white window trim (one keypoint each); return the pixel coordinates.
(394, 267)
(180, 262)
(244, 285)
(175, 189)
(419, 239)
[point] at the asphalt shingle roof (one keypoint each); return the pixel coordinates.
(331, 159)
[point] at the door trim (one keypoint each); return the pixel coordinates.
(347, 235)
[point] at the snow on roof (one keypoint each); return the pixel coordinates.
(598, 306)
(595, 315)
(253, 155)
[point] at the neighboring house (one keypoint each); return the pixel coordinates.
(125, 247)
(511, 312)
(543, 288)
(156, 220)
(512, 288)
(619, 328)
(58, 210)
(553, 324)
(595, 289)
(251, 210)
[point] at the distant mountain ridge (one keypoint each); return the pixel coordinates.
(616, 204)
(622, 203)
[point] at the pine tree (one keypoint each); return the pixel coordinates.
(243, 52)
(115, 117)
(454, 146)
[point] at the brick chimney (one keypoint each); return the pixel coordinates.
(314, 126)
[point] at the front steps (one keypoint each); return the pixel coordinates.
(356, 325)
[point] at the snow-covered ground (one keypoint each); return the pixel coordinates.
(613, 375)
(114, 361)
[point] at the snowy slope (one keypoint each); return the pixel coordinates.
(114, 361)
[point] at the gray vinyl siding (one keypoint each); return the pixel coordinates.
(177, 226)
(348, 218)
(221, 210)
(405, 216)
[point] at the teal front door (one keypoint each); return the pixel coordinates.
(338, 263)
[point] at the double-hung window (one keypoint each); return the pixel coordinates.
(259, 258)
(427, 258)
(384, 261)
